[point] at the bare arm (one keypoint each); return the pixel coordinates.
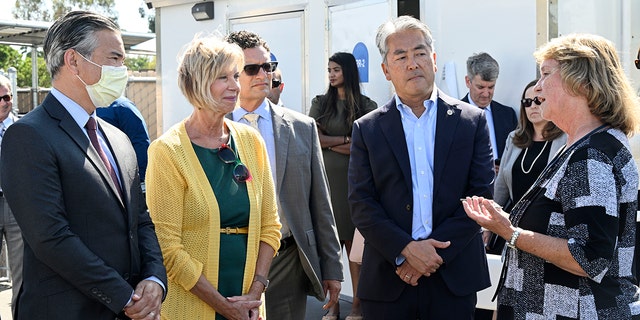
(205, 291)
(265, 256)
(551, 249)
(340, 144)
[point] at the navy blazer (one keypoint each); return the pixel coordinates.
(85, 249)
(504, 121)
(381, 199)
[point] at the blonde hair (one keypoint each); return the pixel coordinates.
(203, 60)
(590, 67)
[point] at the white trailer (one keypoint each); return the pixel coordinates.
(303, 34)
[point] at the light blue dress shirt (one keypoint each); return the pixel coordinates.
(492, 131)
(420, 137)
(81, 117)
(265, 124)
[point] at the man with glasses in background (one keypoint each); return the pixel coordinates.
(9, 228)
(308, 261)
(276, 87)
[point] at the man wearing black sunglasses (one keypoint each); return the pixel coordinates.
(308, 261)
(276, 87)
(9, 228)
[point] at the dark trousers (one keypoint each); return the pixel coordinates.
(286, 298)
(429, 300)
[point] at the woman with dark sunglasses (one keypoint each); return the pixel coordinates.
(335, 112)
(527, 151)
(211, 195)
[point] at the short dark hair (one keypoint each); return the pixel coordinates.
(246, 40)
(75, 30)
(483, 65)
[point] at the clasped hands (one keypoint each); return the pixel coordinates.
(244, 307)
(145, 302)
(421, 260)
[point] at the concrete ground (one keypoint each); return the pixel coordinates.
(315, 311)
(314, 307)
(5, 300)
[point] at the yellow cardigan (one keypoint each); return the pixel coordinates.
(187, 218)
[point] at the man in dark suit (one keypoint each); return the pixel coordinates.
(90, 248)
(482, 74)
(411, 162)
(308, 262)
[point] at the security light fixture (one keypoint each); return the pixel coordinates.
(202, 11)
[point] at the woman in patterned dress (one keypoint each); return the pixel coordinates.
(571, 237)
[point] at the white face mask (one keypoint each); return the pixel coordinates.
(113, 81)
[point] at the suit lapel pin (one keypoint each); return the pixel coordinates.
(449, 112)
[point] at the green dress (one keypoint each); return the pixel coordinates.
(336, 164)
(233, 202)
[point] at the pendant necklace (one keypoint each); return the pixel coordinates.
(534, 160)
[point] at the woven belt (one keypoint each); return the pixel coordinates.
(235, 230)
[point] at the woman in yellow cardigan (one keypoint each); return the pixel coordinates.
(211, 195)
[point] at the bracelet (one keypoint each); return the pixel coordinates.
(263, 280)
(514, 237)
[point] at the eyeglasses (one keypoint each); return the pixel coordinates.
(240, 171)
(253, 69)
(275, 83)
(526, 102)
(6, 97)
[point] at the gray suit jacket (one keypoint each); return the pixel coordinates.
(85, 248)
(303, 195)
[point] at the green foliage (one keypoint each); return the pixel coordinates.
(43, 10)
(25, 72)
(9, 57)
(33, 10)
(138, 63)
(49, 10)
(150, 14)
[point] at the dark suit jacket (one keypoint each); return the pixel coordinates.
(85, 249)
(381, 199)
(504, 121)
